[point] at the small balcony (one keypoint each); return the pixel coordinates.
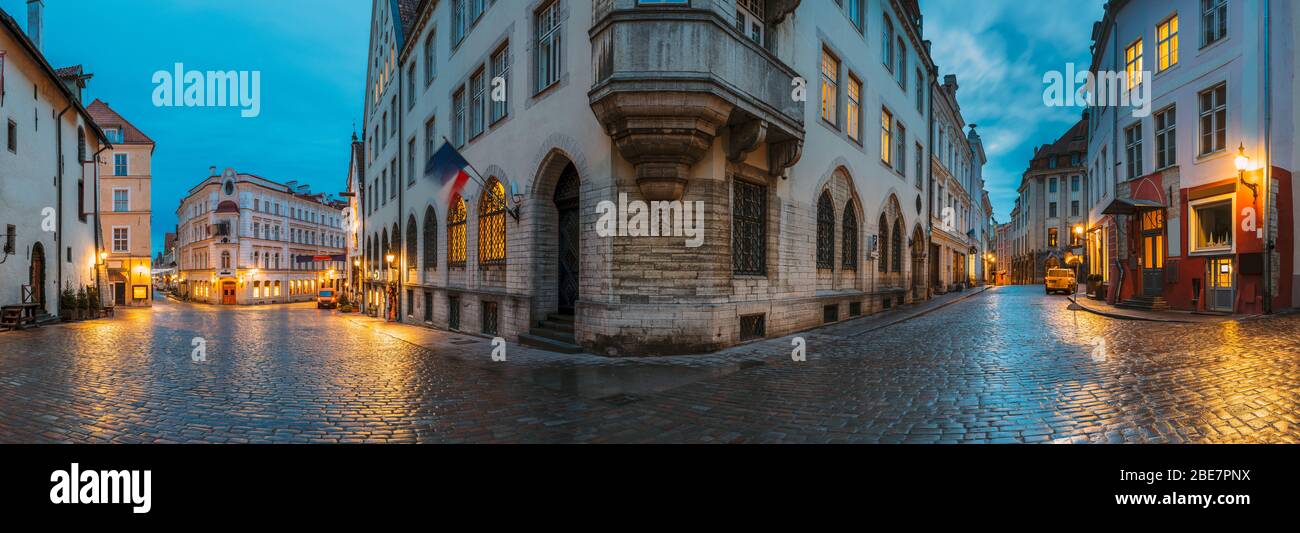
(669, 79)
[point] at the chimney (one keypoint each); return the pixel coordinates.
(950, 83)
(35, 8)
(212, 171)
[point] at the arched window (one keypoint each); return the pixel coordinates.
(897, 261)
(430, 239)
(383, 250)
(825, 231)
(883, 246)
(492, 223)
(412, 243)
(456, 232)
(850, 238)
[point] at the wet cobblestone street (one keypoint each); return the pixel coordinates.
(1007, 365)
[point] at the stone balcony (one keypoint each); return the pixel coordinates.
(669, 80)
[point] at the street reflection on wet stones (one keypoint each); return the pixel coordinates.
(1007, 365)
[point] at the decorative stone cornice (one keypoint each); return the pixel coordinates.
(783, 155)
(744, 138)
(662, 134)
(777, 10)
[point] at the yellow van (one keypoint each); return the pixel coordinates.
(1060, 280)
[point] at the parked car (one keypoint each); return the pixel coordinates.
(1060, 280)
(325, 298)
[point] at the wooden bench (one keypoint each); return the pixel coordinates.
(14, 317)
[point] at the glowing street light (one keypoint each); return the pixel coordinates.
(1243, 164)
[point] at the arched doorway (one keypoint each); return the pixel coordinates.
(566, 205)
(36, 276)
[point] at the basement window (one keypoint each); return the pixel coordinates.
(753, 327)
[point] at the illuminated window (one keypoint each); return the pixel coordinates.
(492, 223)
(886, 135)
(1133, 63)
(854, 122)
(456, 232)
(1167, 43)
(830, 87)
(1051, 237)
(1212, 226)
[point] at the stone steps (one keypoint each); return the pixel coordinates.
(1145, 303)
(555, 334)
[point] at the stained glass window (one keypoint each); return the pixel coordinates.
(492, 223)
(456, 232)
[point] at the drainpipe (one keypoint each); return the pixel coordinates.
(401, 194)
(60, 254)
(1268, 163)
(99, 232)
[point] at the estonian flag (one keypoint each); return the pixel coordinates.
(447, 166)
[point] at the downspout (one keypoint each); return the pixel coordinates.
(99, 232)
(1268, 163)
(1114, 182)
(60, 254)
(401, 196)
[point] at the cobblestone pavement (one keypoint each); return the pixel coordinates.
(1007, 365)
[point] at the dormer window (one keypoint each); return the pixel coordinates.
(114, 134)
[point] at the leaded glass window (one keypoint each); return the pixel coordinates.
(883, 263)
(897, 244)
(430, 239)
(748, 228)
(456, 232)
(492, 224)
(849, 242)
(825, 231)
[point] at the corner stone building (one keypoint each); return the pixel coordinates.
(802, 128)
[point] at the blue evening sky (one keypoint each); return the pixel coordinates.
(312, 55)
(999, 50)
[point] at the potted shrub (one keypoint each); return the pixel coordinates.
(92, 299)
(67, 304)
(80, 305)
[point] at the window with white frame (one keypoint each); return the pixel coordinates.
(476, 104)
(121, 240)
(548, 48)
(749, 19)
(1166, 138)
(1167, 43)
(853, 124)
(1214, 118)
(886, 136)
(501, 69)
(121, 200)
(830, 87)
(1133, 150)
(1214, 21)
(887, 44)
(1211, 225)
(121, 165)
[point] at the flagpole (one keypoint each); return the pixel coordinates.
(479, 177)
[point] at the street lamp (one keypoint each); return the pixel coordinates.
(1243, 164)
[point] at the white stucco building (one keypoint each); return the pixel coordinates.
(801, 128)
(243, 239)
(48, 143)
(1173, 223)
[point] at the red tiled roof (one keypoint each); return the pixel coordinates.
(105, 117)
(74, 70)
